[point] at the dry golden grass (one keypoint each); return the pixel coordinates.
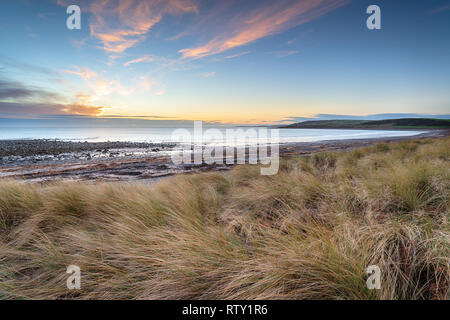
(307, 233)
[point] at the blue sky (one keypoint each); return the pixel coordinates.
(226, 61)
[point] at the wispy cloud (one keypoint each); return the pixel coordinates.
(285, 53)
(25, 67)
(161, 62)
(19, 99)
(440, 9)
(84, 73)
(271, 18)
(79, 43)
(145, 83)
(100, 87)
(302, 35)
(119, 25)
(11, 109)
(80, 109)
(291, 41)
(146, 58)
(238, 55)
(13, 90)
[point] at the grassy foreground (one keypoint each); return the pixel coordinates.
(307, 233)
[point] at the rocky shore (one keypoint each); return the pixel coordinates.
(43, 160)
(55, 147)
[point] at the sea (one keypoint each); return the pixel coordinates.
(208, 135)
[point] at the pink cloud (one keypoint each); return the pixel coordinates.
(146, 58)
(272, 18)
(121, 24)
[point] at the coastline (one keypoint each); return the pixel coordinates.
(55, 160)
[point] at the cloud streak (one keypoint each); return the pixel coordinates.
(270, 19)
(147, 58)
(12, 109)
(285, 53)
(16, 90)
(24, 67)
(121, 24)
(100, 87)
(237, 55)
(19, 99)
(439, 9)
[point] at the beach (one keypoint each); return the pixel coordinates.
(40, 160)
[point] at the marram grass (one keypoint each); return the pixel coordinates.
(308, 232)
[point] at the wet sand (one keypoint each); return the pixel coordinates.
(54, 160)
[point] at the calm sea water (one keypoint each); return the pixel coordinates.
(164, 134)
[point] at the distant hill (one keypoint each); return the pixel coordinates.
(406, 123)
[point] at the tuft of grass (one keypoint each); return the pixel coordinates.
(17, 201)
(308, 232)
(324, 160)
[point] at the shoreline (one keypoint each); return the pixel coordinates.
(347, 144)
(135, 161)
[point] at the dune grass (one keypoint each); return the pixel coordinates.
(308, 232)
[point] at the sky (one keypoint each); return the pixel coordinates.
(228, 61)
